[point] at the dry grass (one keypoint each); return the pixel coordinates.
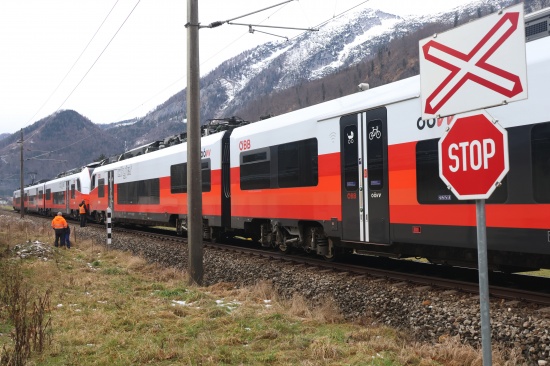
(112, 308)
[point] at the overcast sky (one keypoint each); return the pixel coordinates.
(113, 60)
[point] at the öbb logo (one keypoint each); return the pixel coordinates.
(205, 153)
(432, 122)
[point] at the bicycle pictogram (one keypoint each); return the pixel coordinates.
(375, 133)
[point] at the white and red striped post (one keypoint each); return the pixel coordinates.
(109, 226)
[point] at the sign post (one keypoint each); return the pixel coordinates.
(483, 274)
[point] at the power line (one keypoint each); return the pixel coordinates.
(64, 147)
(335, 16)
(203, 62)
(74, 64)
(105, 48)
(98, 57)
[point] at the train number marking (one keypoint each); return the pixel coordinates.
(244, 145)
(351, 196)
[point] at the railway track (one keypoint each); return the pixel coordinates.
(508, 287)
(530, 289)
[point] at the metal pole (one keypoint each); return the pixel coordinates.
(22, 183)
(194, 184)
(483, 283)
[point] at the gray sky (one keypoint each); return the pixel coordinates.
(132, 53)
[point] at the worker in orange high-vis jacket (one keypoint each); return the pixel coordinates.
(59, 224)
(82, 211)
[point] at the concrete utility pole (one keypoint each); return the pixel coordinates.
(194, 180)
(22, 191)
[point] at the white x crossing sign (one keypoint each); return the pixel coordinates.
(477, 65)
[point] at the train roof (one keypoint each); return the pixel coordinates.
(205, 141)
(76, 173)
(380, 96)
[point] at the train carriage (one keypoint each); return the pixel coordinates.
(67, 191)
(374, 185)
(151, 188)
(34, 198)
(16, 200)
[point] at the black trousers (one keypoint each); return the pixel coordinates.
(83, 220)
(59, 237)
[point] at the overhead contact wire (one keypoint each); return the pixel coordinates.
(98, 57)
(74, 64)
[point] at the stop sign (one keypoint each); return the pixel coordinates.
(473, 156)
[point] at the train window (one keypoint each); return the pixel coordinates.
(206, 174)
(430, 189)
(351, 158)
(59, 198)
(40, 195)
(297, 164)
(73, 191)
(375, 155)
(48, 194)
(255, 169)
(93, 183)
(78, 188)
(178, 177)
(128, 193)
(540, 160)
(101, 187)
(149, 191)
(143, 192)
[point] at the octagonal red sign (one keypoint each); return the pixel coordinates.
(473, 156)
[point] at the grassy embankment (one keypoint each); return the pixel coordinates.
(90, 306)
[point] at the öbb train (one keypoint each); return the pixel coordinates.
(359, 173)
(62, 194)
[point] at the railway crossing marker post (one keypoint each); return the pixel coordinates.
(478, 65)
(109, 227)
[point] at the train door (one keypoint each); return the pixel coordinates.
(226, 183)
(365, 203)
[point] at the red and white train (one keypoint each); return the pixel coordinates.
(359, 173)
(62, 194)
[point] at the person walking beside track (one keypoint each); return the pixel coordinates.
(59, 224)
